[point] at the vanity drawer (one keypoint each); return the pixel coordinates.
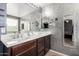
(29, 52)
(22, 48)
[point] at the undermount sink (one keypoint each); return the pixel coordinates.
(12, 42)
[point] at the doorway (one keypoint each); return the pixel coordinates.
(68, 32)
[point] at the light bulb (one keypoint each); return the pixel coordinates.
(67, 21)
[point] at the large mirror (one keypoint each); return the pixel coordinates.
(68, 32)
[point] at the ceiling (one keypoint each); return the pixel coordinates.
(21, 9)
(41, 4)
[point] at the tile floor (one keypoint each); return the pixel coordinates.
(54, 53)
(68, 41)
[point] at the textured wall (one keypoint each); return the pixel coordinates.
(61, 11)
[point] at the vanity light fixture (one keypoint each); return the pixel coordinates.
(33, 5)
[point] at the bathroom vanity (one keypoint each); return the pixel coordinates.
(35, 45)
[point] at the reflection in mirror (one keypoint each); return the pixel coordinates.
(24, 25)
(12, 24)
(68, 32)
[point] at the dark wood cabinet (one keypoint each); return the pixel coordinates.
(47, 43)
(36, 47)
(24, 49)
(40, 46)
(30, 52)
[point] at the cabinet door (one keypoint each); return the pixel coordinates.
(47, 43)
(30, 52)
(40, 46)
(27, 48)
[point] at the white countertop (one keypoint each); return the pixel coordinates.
(12, 42)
